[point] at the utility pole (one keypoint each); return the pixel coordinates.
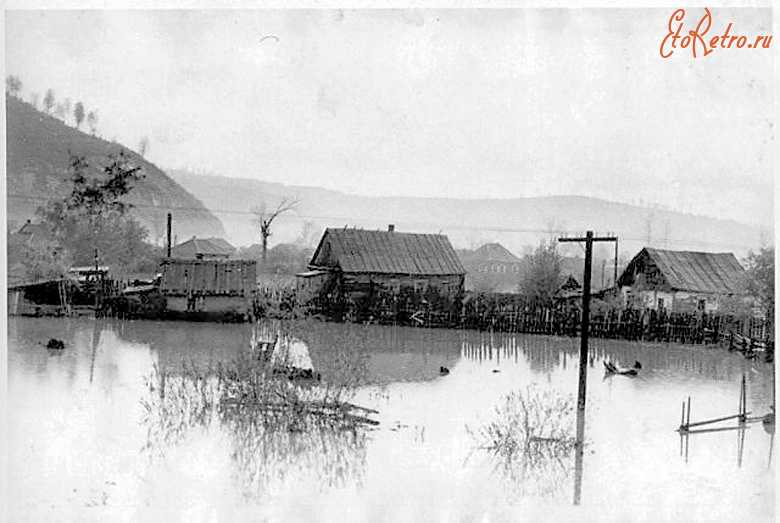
(585, 323)
(584, 326)
(168, 249)
(614, 277)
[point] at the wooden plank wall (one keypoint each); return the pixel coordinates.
(209, 277)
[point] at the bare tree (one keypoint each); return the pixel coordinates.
(78, 112)
(48, 101)
(13, 85)
(264, 217)
(143, 146)
(92, 119)
(59, 111)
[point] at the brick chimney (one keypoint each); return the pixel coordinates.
(391, 227)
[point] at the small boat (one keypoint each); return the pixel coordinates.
(611, 368)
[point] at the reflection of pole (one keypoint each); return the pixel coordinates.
(95, 341)
(97, 285)
(578, 452)
(740, 446)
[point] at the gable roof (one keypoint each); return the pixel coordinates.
(35, 230)
(223, 244)
(495, 252)
(202, 246)
(387, 252)
(709, 272)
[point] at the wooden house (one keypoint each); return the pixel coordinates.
(203, 249)
(353, 263)
(208, 286)
(680, 281)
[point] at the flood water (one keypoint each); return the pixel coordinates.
(79, 449)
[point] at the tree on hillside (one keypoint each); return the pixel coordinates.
(143, 146)
(92, 119)
(59, 111)
(264, 218)
(48, 101)
(62, 109)
(13, 85)
(78, 113)
(543, 275)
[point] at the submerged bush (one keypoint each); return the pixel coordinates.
(531, 436)
(276, 420)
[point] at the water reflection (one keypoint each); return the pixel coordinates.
(530, 441)
(279, 427)
(74, 425)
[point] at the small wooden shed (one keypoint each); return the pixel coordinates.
(208, 285)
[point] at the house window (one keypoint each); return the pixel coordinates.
(395, 285)
(702, 305)
(420, 285)
(661, 304)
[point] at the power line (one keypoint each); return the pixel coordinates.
(447, 226)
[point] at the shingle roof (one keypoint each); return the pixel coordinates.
(496, 252)
(710, 272)
(223, 244)
(202, 246)
(362, 251)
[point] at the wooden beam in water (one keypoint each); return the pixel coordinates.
(719, 429)
(687, 426)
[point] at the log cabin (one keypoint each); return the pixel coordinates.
(353, 263)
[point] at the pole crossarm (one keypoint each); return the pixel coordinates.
(593, 239)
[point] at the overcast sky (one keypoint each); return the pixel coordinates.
(456, 103)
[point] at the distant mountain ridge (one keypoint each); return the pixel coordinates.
(516, 223)
(38, 147)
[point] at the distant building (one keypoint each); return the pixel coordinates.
(35, 231)
(680, 281)
(491, 268)
(203, 249)
(354, 263)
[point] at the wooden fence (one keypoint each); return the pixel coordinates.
(513, 314)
